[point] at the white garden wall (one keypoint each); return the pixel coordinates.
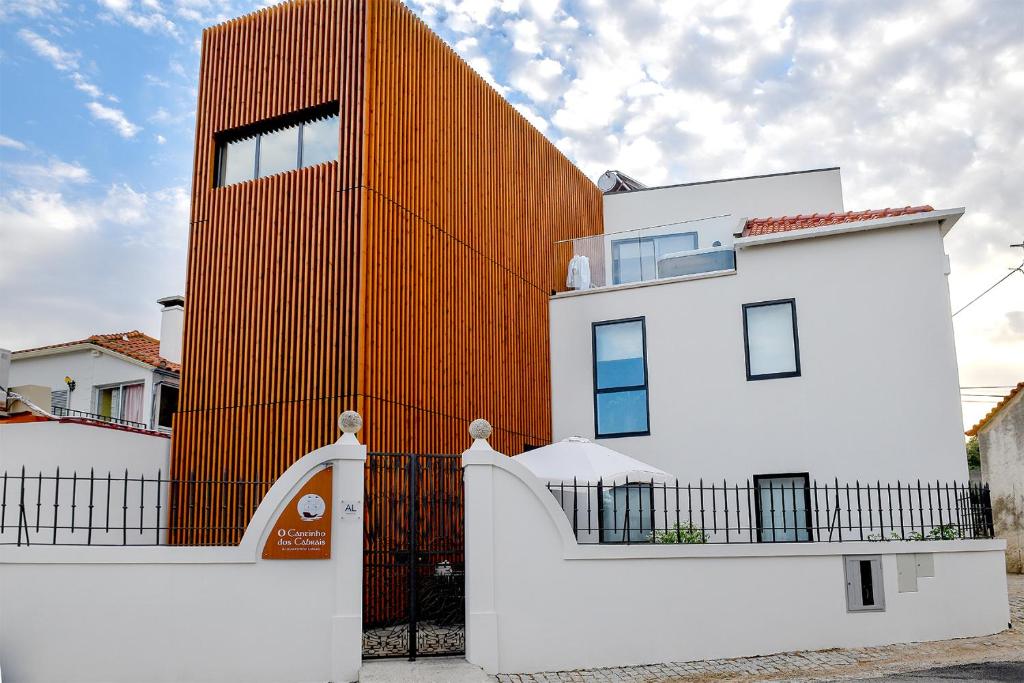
(192, 614)
(42, 447)
(537, 601)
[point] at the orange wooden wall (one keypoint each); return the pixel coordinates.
(409, 280)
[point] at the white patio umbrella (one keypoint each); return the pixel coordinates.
(587, 461)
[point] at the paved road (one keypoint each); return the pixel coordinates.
(985, 672)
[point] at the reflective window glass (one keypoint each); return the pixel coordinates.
(238, 161)
(279, 151)
(320, 141)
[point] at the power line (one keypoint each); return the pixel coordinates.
(1018, 269)
(984, 395)
(1000, 386)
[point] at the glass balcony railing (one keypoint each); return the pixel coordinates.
(636, 256)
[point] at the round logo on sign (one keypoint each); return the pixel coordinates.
(311, 507)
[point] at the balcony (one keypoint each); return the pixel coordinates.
(635, 256)
(60, 411)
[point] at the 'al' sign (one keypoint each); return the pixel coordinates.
(303, 529)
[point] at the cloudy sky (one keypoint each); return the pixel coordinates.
(918, 102)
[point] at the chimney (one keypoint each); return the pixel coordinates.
(172, 315)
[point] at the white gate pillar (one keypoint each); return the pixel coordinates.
(347, 551)
(481, 618)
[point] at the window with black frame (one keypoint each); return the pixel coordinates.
(626, 513)
(783, 507)
(278, 146)
(620, 378)
(770, 341)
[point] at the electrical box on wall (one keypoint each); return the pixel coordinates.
(910, 568)
(864, 589)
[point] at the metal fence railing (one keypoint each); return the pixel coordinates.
(122, 509)
(636, 511)
(60, 411)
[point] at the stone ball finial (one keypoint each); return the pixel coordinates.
(350, 422)
(480, 428)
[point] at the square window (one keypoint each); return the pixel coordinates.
(770, 340)
(627, 513)
(238, 161)
(279, 151)
(620, 378)
(783, 505)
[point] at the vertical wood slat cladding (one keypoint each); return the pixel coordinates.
(465, 201)
(273, 281)
(408, 280)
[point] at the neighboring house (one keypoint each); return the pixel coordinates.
(1001, 440)
(125, 378)
(750, 330)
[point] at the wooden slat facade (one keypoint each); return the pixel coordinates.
(409, 280)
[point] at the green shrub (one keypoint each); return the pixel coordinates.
(681, 533)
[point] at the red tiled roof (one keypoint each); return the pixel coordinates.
(973, 431)
(767, 226)
(133, 344)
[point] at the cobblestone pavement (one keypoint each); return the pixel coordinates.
(820, 665)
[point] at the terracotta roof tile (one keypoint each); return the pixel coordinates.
(133, 344)
(973, 431)
(767, 226)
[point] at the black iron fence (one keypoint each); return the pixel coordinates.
(118, 509)
(60, 411)
(777, 509)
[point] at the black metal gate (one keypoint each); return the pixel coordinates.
(414, 563)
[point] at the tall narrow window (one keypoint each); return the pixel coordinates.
(167, 405)
(770, 339)
(783, 507)
(620, 379)
(320, 141)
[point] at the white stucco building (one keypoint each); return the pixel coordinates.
(717, 342)
(125, 378)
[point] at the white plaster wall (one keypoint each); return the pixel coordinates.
(42, 447)
(172, 320)
(74, 614)
(777, 195)
(536, 601)
(878, 398)
(1002, 462)
(88, 370)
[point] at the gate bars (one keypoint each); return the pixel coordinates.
(413, 602)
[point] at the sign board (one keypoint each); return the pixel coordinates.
(350, 509)
(303, 529)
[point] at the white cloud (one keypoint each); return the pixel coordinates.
(11, 143)
(917, 103)
(28, 8)
(115, 117)
(59, 58)
(148, 16)
(160, 140)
